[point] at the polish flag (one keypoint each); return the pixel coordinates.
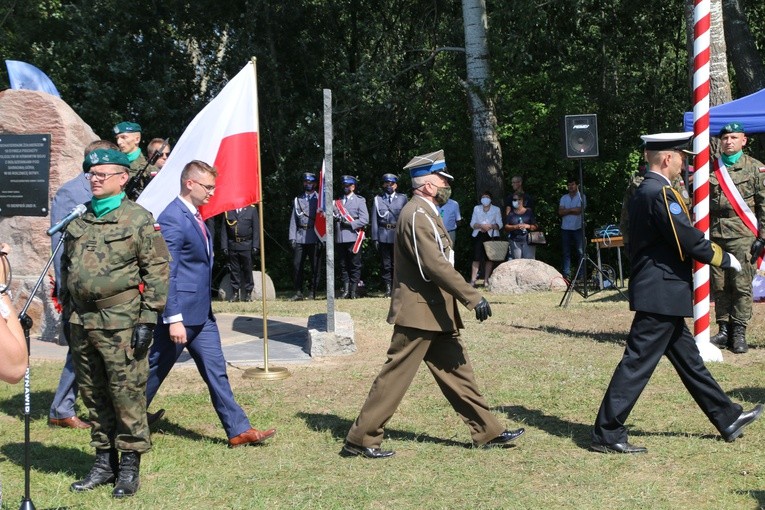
(225, 135)
(320, 222)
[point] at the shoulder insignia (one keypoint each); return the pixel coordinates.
(156, 227)
(675, 208)
(762, 169)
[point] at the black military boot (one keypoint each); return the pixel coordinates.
(722, 338)
(346, 291)
(234, 296)
(738, 339)
(297, 297)
(104, 471)
(352, 293)
(127, 480)
(387, 290)
(313, 294)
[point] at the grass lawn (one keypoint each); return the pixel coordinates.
(541, 367)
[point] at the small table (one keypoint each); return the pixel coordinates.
(609, 242)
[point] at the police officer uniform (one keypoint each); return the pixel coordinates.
(385, 211)
(733, 292)
(303, 238)
(140, 170)
(663, 244)
(240, 240)
(115, 274)
(346, 235)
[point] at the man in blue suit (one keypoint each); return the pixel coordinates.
(188, 320)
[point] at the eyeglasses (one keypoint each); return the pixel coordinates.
(99, 176)
(164, 155)
(209, 188)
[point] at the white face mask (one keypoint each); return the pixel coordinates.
(516, 204)
(486, 201)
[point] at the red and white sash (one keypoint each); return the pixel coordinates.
(359, 233)
(737, 201)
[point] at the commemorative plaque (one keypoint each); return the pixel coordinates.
(24, 174)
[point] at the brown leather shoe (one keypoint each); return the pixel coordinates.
(252, 436)
(73, 422)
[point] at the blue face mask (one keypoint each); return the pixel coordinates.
(486, 201)
(388, 189)
(347, 190)
(308, 187)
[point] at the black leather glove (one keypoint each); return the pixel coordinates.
(482, 310)
(345, 221)
(376, 245)
(141, 341)
(757, 247)
(225, 252)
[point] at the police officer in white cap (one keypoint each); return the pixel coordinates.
(663, 244)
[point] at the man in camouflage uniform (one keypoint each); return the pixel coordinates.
(732, 291)
(115, 272)
(128, 136)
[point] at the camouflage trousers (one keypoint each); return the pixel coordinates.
(113, 388)
(732, 291)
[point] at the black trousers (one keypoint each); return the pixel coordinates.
(350, 263)
(300, 253)
(651, 337)
(240, 266)
(386, 262)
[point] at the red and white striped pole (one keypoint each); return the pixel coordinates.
(701, 49)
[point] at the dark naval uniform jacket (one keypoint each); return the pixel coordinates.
(385, 213)
(241, 230)
(662, 245)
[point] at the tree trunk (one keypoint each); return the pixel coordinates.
(487, 153)
(750, 72)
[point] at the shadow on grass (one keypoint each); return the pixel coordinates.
(579, 433)
(39, 404)
(165, 427)
(47, 458)
(758, 496)
(602, 337)
(750, 394)
(339, 427)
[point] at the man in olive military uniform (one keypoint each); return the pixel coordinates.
(128, 136)
(663, 245)
(115, 273)
(303, 238)
(387, 206)
(351, 218)
(240, 241)
(736, 183)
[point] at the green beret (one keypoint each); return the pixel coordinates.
(127, 127)
(104, 157)
(732, 127)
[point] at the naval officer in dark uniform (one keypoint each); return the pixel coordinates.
(662, 245)
(240, 241)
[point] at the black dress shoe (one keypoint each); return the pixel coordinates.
(354, 450)
(732, 431)
(153, 418)
(617, 448)
(502, 440)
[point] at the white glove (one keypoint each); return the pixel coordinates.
(734, 263)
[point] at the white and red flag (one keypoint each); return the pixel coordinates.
(225, 135)
(320, 222)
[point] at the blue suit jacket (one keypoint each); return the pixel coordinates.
(190, 266)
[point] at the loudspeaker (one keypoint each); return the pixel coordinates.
(580, 136)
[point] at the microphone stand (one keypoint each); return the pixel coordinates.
(26, 324)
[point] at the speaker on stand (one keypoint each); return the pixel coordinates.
(580, 141)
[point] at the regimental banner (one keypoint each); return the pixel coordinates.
(24, 175)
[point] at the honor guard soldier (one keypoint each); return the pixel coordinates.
(663, 244)
(387, 206)
(303, 238)
(128, 136)
(115, 280)
(240, 241)
(426, 323)
(351, 217)
(737, 214)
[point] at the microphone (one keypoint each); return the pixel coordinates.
(73, 215)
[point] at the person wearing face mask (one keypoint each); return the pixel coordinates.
(387, 206)
(426, 323)
(737, 214)
(485, 222)
(303, 238)
(351, 218)
(520, 221)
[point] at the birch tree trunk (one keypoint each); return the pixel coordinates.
(487, 153)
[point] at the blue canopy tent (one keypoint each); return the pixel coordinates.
(749, 110)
